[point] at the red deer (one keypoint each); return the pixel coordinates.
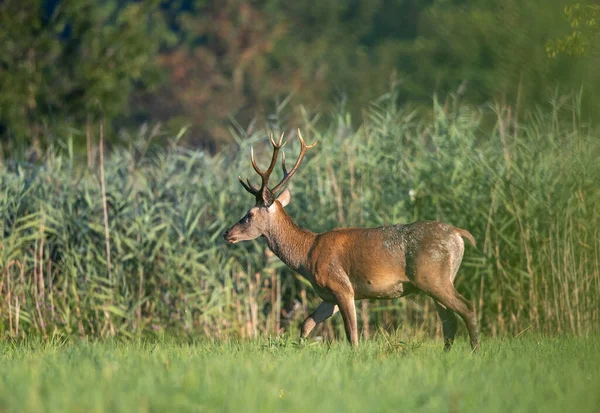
(348, 264)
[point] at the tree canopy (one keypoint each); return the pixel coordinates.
(203, 62)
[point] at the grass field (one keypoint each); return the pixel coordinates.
(526, 374)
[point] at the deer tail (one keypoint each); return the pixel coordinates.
(467, 235)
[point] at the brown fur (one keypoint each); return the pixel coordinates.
(350, 264)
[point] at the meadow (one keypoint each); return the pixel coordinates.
(526, 374)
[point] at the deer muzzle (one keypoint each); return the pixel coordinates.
(229, 237)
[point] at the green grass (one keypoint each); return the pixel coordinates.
(527, 374)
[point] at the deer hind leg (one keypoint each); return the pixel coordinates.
(453, 301)
(449, 325)
(322, 313)
(427, 279)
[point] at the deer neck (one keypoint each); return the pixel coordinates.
(290, 242)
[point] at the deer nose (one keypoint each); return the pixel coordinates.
(227, 236)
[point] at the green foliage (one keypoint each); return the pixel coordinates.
(527, 374)
(528, 191)
(81, 59)
(585, 25)
(495, 51)
(485, 51)
(200, 64)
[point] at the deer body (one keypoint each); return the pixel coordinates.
(375, 260)
(348, 264)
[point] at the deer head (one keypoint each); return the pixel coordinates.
(268, 208)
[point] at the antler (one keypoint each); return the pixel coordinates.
(287, 175)
(264, 194)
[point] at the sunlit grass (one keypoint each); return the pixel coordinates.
(528, 374)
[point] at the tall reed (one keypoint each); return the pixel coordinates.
(528, 191)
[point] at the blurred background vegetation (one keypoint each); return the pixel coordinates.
(201, 63)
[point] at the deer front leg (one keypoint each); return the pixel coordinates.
(348, 310)
(322, 313)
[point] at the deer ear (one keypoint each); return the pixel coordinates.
(284, 198)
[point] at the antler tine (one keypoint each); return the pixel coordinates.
(265, 174)
(302, 141)
(277, 145)
(256, 168)
(287, 175)
(249, 187)
(263, 190)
